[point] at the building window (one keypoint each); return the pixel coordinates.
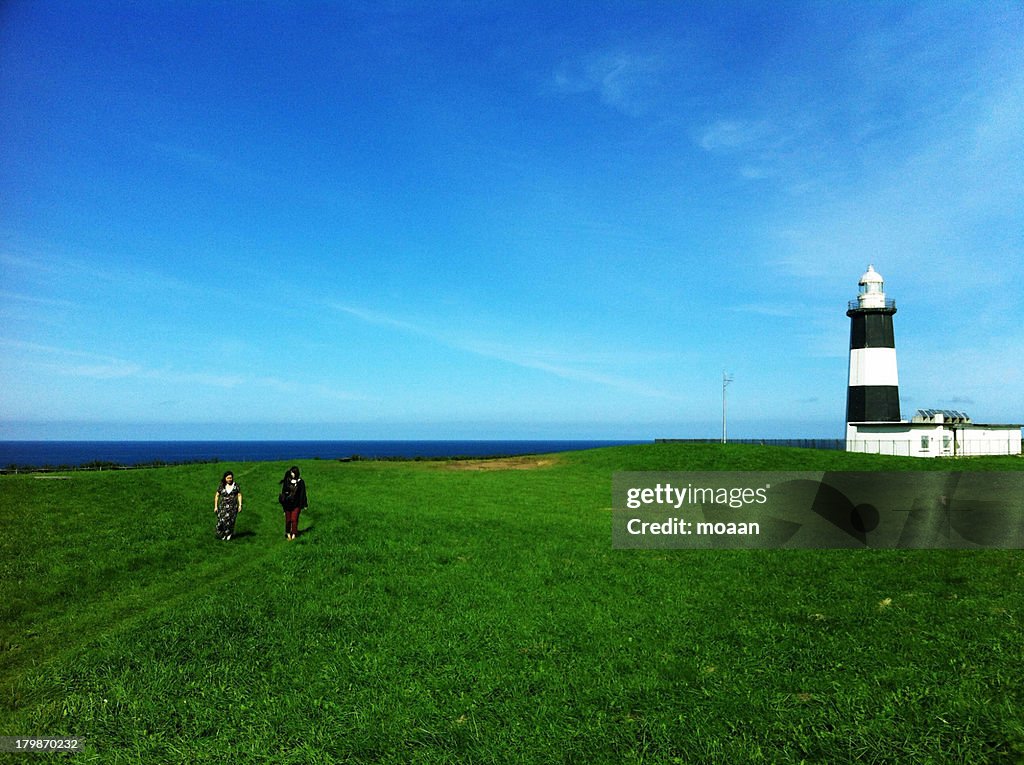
(924, 443)
(945, 443)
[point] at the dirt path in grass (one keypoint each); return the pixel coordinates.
(503, 463)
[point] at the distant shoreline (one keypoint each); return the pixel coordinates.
(26, 456)
(23, 456)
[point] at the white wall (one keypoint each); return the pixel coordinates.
(932, 440)
(989, 440)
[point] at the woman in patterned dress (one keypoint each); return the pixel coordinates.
(227, 504)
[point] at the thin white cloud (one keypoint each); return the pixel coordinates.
(186, 154)
(732, 135)
(756, 172)
(624, 80)
(35, 299)
(541, 362)
(69, 362)
(374, 317)
(33, 358)
(294, 387)
(565, 366)
(204, 163)
(49, 266)
(66, 361)
(770, 309)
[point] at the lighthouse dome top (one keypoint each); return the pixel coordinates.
(871, 276)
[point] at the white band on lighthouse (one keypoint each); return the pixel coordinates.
(873, 366)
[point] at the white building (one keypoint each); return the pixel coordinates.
(933, 433)
(872, 400)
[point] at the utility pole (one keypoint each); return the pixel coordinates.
(726, 379)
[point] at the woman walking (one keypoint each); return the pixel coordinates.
(293, 501)
(227, 504)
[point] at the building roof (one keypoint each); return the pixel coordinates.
(948, 415)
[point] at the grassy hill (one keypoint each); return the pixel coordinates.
(438, 612)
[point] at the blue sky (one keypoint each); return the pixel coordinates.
(501, 219)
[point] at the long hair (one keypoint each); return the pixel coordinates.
(223, 479)
(288, 474)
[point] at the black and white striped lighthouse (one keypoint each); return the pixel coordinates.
(873, 394)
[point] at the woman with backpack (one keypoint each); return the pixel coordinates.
(293, 501)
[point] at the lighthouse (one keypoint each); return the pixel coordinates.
(873, 394)
(873, 424)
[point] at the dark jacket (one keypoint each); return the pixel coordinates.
(293, 495)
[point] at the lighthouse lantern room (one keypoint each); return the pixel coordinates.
(871, 293)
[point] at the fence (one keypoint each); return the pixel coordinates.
(972, 448)
(882, 446)
(803, 443)
(94, 466)
(986, 448)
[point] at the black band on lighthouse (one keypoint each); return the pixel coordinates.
(873, 403)
(871, 329)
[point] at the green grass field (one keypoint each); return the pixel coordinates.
(450, 612)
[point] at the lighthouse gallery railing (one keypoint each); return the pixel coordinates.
(853, 305)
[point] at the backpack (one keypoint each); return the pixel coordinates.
(288, 492)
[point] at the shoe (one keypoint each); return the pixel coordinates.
(227, 538)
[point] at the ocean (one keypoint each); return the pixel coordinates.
(22, 454)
